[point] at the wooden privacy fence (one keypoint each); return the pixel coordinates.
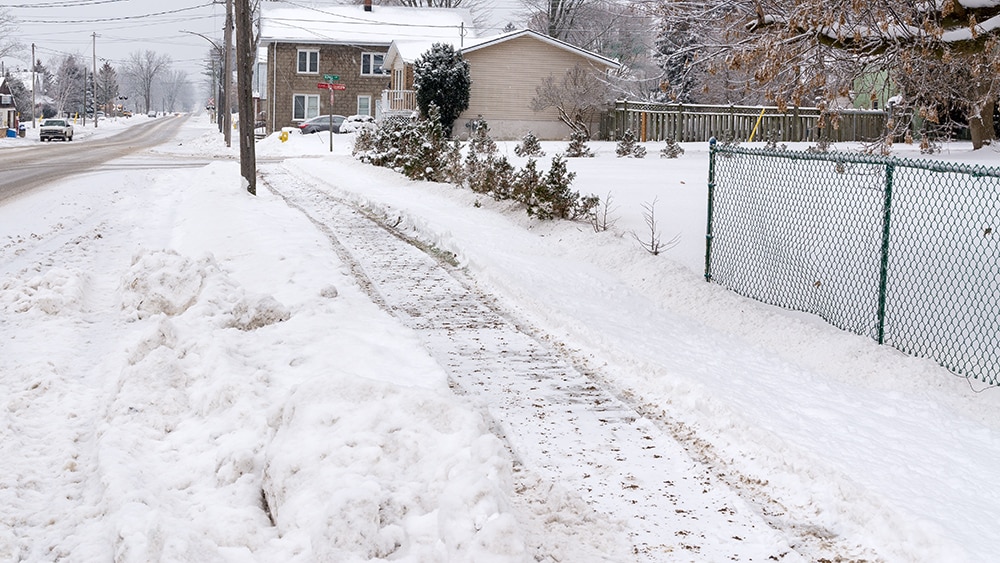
(692, 123)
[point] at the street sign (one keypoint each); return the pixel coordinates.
(329, 86)
(330, 77)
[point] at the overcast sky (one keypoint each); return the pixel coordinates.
(58, 27)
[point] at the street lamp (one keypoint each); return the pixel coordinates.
(223, 115)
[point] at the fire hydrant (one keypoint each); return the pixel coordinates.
(283, 136)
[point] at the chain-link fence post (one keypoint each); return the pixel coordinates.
(711, 209)
(890, 169)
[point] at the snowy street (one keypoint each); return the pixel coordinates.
(353, 367)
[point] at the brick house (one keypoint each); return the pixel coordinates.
(305, 47)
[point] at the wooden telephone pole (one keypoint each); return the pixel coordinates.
(244, 87)
(227, 75)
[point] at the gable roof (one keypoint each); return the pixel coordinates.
(488, 42)
(339, 25)
(410, 50)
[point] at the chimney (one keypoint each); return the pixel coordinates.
(368, 5)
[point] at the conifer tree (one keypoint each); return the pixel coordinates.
(441, 76)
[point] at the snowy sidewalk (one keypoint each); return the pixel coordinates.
(557, 421)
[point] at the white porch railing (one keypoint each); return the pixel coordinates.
(399, 100)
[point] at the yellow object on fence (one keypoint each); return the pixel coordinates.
(756, 125)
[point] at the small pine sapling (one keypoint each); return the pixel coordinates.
(480, 142)
(626, 145)
(578, 146)
(529, 146)
(526, 183)
(672, 150)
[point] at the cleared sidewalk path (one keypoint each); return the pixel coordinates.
(558, 423)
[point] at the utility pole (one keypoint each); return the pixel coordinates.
(32, 85)
(216, 83)
(227, 74)
(244, 88)
(94, 37)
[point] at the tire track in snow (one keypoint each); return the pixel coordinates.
(557, 422)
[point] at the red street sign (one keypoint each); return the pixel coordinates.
(328, 86)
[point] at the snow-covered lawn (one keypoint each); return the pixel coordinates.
(193, 374)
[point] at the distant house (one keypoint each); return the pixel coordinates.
(307, 48)
(506, 70)
(8, 112)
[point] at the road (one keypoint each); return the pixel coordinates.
(26, 168)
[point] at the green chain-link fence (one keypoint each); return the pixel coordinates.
(903, 251)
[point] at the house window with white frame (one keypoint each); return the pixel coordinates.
(308, 61)
(304, 106)
(364, 105)
(371, 64)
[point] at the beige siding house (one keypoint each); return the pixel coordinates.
(506, 70)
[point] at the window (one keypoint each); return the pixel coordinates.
(304, 107)
(371, 63)
(308, 62)
(364, 105)
(397, 79)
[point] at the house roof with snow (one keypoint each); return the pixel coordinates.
(411, 50)
(472, 45)
(338, 25)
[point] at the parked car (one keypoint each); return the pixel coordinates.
(56, 129)
(151, 114)
(321, 123)
(355, 122)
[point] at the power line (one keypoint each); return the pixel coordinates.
(120, 18)
(62, 4)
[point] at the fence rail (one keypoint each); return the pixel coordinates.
(688, 122)
(905, 252)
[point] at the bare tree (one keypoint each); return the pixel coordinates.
(175, 89)
(144, 68)
(942, 54)
(68, 85)
(578, 96)
(9, 43)
(653, 242)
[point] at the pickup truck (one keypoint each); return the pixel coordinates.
(56, 129)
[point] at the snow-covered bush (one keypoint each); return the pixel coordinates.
(673, 149)
(550, 196)
(628, 146)
(418, 149)
(480, 158)
(578, 146)
(529, 146)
